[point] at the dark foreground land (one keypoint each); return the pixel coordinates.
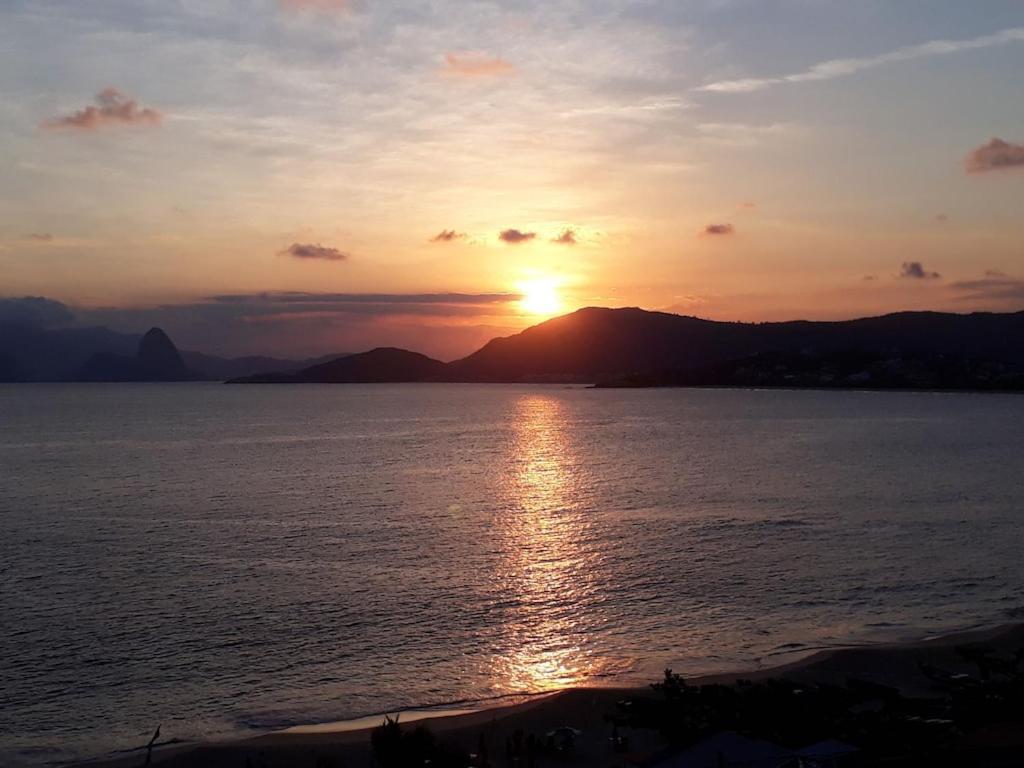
(953, 701)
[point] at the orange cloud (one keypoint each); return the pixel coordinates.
(515, 236)
(476, 65)
(997, 155)
(112, 108)
(311, 251)
(719, 229)
(568, 237)
(447, 236)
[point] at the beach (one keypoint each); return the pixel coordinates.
(893, 665)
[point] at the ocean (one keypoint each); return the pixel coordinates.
(225, 560)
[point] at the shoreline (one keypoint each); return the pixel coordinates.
(893, 663)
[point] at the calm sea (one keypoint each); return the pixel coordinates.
(226, 559)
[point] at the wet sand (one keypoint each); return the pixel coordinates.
(348, 744)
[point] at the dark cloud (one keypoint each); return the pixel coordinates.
(447, 236)
(34, 312)
(514, 236)
(42, 237)
(914, 270)
(476, 65)
(112, 108)
(719, 229)
(869, 278)
(997, 155)
(311, 251)
(942, 217)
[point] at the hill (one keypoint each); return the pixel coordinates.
(384, 364)
(634, 347)
(157, 359)
(34, 354)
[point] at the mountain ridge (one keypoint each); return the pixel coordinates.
(604, 345)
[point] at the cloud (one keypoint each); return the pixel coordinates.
(995, 286)
(294, 298)
(914, 270)
(997, 155)
(748, 205)
(315, 5)
(34, 312)
(568, 237)
(476, 65)
(828, 70)
(514, 236)
(447, 236)
(719, 229)
(40, 237)
(112, 108)
(310, 251)
(942, 217)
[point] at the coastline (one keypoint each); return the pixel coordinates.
(894, 664)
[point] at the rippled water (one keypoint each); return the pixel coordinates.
(222, 559)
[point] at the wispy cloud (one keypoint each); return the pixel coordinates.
(311, 251)
(112, 108)
(315, 5)
(914, 270)
(40, 237)
(997, 155)
(995, 287)
(476, 65)
(828, 70)
(293, 298)
(515, 236)
(447, 236)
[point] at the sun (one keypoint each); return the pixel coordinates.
(540, 297)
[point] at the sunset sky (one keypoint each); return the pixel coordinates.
(305, 176)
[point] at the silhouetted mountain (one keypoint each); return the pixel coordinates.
(30, 353)
(157, 359)
(635, 347)
(597, 344)
(37, 354)
(384, 364)
(223, 368)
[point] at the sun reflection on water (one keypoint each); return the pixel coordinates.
(546, 562)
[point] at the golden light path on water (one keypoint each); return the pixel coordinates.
(547, 564)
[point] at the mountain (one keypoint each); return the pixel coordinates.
(55, 354)
(595, 344)
(157, 359)
(384, 364)
(29, 353)
(634, 347)
(222, 368)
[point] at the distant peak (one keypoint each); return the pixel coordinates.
(157, 349)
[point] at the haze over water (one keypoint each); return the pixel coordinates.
(224, 559)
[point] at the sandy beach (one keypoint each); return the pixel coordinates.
(897, 665)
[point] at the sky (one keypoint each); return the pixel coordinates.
(308, 176)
